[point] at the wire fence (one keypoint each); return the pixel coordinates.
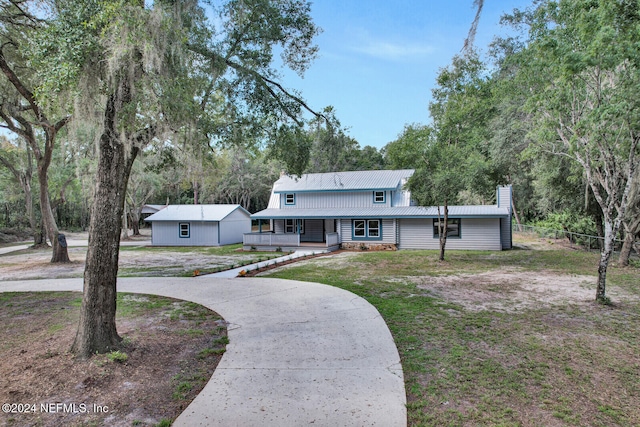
(584, 241)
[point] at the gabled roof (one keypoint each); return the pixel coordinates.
(480, 211)
(343, 181)
(195, 213)
(151, 209)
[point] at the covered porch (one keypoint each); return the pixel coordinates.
(271, 241)
(291, 234)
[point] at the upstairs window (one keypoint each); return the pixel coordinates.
(184, 229)
(290, 199)
(379, 197)
(453, 228)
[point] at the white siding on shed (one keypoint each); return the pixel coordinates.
(233, 227)
(476, 233)
(201, 233)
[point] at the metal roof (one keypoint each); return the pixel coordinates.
(152, 208)
(343, 181)
(483, 211)
(194, 213)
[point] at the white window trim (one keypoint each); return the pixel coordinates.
(375, 197)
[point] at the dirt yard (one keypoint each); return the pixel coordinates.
(34, 264)
(172, 348)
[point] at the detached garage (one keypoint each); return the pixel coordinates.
(199, 225)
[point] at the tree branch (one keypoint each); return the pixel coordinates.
(266, 82)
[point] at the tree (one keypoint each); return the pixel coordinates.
(584, 68)
(143, 185)
(631, 224)
(20, 109)
(19, 163)
(439, 180)
(143, 82)
(406, 151)
(244, 178)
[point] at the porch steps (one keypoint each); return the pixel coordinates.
(230, 274)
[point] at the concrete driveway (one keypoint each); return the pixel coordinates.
(299, 353)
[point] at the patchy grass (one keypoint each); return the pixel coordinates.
(215, 250)
(552, 362)
(153, 375)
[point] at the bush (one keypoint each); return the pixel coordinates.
(570, 222)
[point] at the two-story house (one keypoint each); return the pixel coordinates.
(372, 209)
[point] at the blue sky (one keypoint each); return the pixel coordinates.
(379, 59)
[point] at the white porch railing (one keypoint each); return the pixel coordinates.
(270, 239)
(333, 239)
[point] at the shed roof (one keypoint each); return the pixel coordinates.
(151, 209)
(482, 211)
(343, 181)
(195, 213)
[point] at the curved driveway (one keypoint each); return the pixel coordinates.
(299, 353)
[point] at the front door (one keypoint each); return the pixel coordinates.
(313, 231)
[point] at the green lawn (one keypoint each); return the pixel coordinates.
(562, 363)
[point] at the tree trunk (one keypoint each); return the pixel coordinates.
(125, 223)
(135, 222)
(605, 256)
(515, 213)
(599, 230)
(60, 253)
(442, 229)
(97, 328)
(632, 232)
(625, 252)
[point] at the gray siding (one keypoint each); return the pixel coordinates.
(476, 233)
(166, 233)
(347, 199)
(388, 231)
(233, 227)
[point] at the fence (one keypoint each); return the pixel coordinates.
(584, 241)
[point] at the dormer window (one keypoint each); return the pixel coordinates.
(379, 197)
(290, 199)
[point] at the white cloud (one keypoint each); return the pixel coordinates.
(391, 50)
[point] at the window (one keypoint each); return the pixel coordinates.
(290, 226)
(374, 228)
(453, 228)
(290, 199)
(184, 230)
(367, 229)
(379, 197)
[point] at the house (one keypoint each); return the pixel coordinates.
(374, 210)
(199, 225)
